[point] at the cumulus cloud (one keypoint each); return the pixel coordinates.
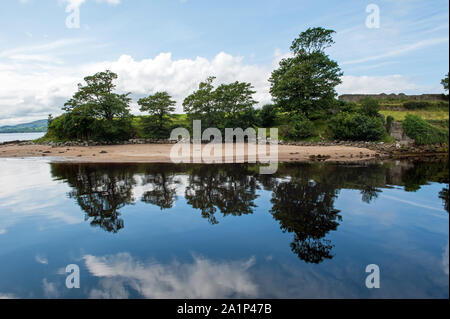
(204, 278)
(382, 84)
(50, 289)
(36, 81)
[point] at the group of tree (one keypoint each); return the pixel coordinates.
(303, 89)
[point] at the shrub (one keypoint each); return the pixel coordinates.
(300, 127)
(389, 121)
(415, 105)
(357, 127)
(267, 115)
(370, 107)
(422, 132)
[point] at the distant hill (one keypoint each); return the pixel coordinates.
(36, 126)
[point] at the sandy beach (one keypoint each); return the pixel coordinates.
(160, 153)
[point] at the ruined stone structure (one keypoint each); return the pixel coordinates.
(397, 132)
(401, 96)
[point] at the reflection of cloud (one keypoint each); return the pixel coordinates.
(50, 290)
(41, 260)
(411, 203)
(203, 278)
(23, 183)
(445, 260)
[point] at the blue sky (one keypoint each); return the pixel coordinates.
(172, 45)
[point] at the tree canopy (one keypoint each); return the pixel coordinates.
(159, 105)
(306, 82)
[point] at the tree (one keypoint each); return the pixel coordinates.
(236, 102)
(49, 119)
(95, 111)
(159, 105)
(267, 115)
(306, 82)
(444, 83)
(99, 97)
(229, 105)
(313, 40)
(370, 107)
(200, 104)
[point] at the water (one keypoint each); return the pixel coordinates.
(9, 137)
(199, 231)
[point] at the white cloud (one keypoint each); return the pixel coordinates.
(383, 84)
(399, 51)
(204, 278)
(36, 81)
(111, 2)
(41, 260)
(50, 289)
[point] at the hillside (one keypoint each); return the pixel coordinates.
(36, 126)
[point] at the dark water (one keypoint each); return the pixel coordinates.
(207, 231)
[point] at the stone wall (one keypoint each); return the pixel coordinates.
(424, 97)
(397, 132)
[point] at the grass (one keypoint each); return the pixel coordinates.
(438, 115)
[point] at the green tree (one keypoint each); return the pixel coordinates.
(444, 83)
(306, 82)
(200, 105)
(370, 107)
(96, 111)
(159, 105)
(267, 115)
(235, 100)
(99, 97)
(228, 105)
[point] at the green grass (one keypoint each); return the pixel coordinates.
(438, 115)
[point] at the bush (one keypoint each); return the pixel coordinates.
(299, 128)
(357, 127)
(416, 105)
(422, 132)
(389, 121)
(370, 107)
(267, 115)
(74, 126)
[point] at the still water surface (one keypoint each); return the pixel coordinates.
(9, 137)
(223, 231)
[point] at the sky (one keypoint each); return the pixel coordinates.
(172, 45)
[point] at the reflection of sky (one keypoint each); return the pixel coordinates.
(176, 253)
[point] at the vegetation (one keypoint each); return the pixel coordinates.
(228, 105)
(159, 105)
(305, 83)
(444, 82)
(304, 106)
(422, 132)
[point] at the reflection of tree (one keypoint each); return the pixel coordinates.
(229, 188)
(163, 193)
(100, 191)
(443, 194)
(369, 193)
(306, 209)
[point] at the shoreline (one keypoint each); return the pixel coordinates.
(340, 152)
(160, 153)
